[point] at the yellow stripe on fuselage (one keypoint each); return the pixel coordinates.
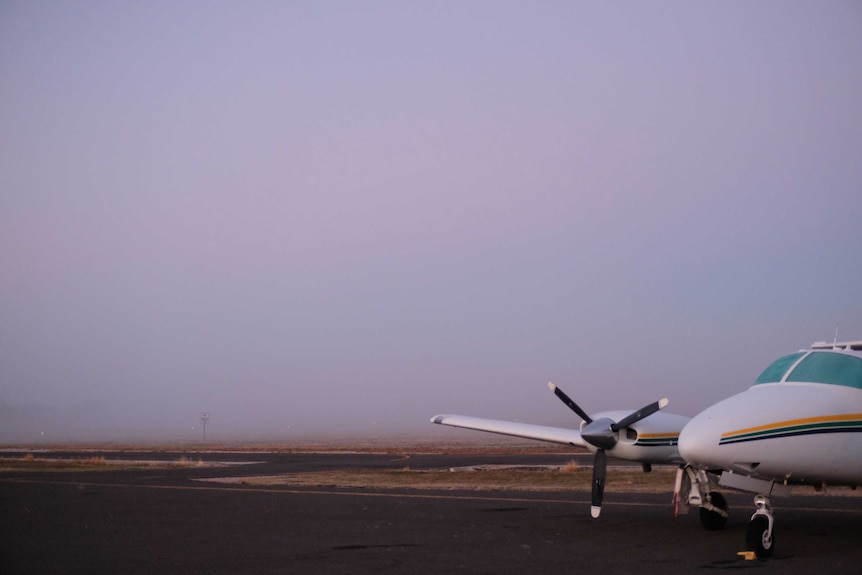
(792, 422)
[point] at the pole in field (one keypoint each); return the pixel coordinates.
(205, 418)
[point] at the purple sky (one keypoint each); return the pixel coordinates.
(348, 217)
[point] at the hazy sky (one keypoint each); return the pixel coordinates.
(351, 216)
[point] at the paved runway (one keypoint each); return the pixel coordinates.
(163, 521)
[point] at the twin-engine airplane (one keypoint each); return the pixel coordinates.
(799, 424)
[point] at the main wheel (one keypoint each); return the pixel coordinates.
(758, 538)
(710, 520)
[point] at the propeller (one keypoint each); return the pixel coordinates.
(600, 466)
(602, 434)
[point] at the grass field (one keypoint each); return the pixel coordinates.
(30, 462)
(508, 478)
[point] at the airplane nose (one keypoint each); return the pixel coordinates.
(698, 441)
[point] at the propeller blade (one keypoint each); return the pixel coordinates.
(639, 414)
(600, 464)
(571, 404)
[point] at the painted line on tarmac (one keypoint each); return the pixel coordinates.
(326, 492)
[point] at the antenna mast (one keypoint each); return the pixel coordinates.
(205, 418)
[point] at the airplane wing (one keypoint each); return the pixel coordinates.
(515, 429)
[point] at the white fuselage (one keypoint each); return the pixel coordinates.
(784, 431)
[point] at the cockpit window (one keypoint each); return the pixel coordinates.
(778, 368)
(829, 367)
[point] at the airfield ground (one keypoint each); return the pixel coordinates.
(374, 509)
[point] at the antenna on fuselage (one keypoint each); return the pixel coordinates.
(835, 341)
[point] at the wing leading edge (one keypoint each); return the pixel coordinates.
(515, 429)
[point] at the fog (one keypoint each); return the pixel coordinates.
(338, 220)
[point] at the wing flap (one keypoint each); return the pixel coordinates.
(513, 428)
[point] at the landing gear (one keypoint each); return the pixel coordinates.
(759, 536)
(693, 489)
(715, 518)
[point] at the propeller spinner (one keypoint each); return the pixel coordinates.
(603, 435)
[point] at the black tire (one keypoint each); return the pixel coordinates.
(755, 537)
(710, 520)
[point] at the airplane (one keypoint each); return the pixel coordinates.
(799, 424)
(646, 435)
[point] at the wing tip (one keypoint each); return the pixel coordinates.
(552, 387)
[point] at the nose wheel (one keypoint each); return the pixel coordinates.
(759, 536)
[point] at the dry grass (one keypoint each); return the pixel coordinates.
(92, 463)
(31, 463)
(485, 445)
(563, 479)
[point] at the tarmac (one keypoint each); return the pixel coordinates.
(169, 521)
